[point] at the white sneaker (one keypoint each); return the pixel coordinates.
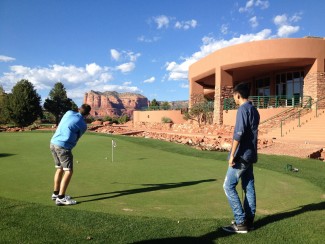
(54, 196)
(65, 201)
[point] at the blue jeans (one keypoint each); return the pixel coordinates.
(245, 172)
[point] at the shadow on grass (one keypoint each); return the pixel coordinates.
(2, 155)
(146, 188)
(219, 233)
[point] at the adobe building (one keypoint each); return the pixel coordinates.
(285, 71)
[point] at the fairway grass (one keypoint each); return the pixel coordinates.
(153, 190)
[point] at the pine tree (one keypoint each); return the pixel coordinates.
(58, 102)
(3, 96)
(23, 104)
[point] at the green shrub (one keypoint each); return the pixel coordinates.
(166, 120)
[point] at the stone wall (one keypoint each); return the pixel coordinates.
(314, 86)
(188, 128)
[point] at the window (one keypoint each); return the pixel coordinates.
(289, 85)
(263, 86)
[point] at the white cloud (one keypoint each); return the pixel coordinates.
(6, 59)
(224, 29)
(179, 71)
(150, 80)
(77, 80)
(93, 68)
(280, 19)
(251, 3)
(262, 4)
(296, 17)
(115, 54)
(285, 28)
(164, 21)
(43, 78)
(126, 67)
(133, 56)
(253, 22)
(161, 21)
(185, 25)
(119, 88)
(124, 55)
(148, 40)
(184, 85)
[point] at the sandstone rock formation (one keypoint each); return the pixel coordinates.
(113, 103)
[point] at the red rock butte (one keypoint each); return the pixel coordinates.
(111, 103)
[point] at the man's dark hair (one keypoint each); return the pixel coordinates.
(242, 89)
(85, 109)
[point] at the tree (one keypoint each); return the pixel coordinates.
(165, 106)
(23, 104)
(201, 111)
(3, 97)
(154, 104)
(58, 102)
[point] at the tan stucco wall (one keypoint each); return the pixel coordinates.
(155, 116)
(229, 117)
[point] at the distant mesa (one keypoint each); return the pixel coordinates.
(112, 103)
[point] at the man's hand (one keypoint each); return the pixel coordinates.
(231, 161)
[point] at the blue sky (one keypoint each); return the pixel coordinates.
(141, 46)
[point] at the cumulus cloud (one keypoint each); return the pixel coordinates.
(161, 21)
(280, 19)
(127, 83)
(115, 54)
(43, 78)
(284, 24)
(150, 80)
(122, 88)
(253, 22)
(76, 79)
(184, 85)
(185, 25)
(179, 71)
(93, 68)
(126, 67)
(250, 4)
(128, 57)
(6, 59)
(287, 30)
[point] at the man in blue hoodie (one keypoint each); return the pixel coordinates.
(72, 126)
(241, 158)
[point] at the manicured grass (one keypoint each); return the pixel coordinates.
(152, 191)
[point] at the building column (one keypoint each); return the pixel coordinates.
(223, 89)
(314, 82)
(196, 92)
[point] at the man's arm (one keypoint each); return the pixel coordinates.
(234, 147)
(238, 133)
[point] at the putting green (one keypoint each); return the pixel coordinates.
(142, 180)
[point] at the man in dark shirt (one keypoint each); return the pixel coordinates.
(241, 158)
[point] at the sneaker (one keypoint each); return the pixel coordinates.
(234, 228)
(54, 196)
(249, 223)
(65, 201)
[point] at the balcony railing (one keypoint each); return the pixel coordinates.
(272, 102)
